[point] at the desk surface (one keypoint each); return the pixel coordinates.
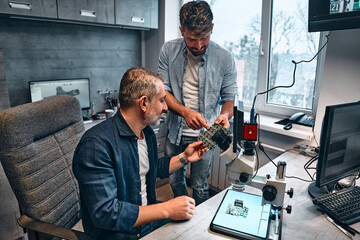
(305, 222)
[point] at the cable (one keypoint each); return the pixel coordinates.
(298, 178)
(261, 147)
(253, 118)
(292, 84)
(257, 163)
(263, 150)
(307, 166)
(313, 132)
(302, 151)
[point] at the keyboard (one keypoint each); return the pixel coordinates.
(342, 206)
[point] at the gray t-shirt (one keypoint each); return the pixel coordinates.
(191, 89)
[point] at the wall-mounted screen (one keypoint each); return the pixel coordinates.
(327, 15)
(79, 88)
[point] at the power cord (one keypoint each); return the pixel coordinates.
(293, 82)
(253, 118)
(263, 150)
(307, 167)
(307, 150)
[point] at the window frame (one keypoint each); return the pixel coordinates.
(261, 106)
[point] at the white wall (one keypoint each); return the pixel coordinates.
(168, 29)
(341, 76)
(172, 21)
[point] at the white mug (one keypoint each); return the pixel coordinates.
(109, 113)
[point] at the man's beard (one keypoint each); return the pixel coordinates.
(153, 120)
(198, 54)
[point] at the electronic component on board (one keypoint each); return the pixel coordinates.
(217, 135)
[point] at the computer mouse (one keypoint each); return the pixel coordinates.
(95, 116)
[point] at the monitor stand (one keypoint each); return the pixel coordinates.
(315, 192)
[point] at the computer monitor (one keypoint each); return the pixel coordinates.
(339, 155)
(79, 87)
(238, 123)
(328, 15)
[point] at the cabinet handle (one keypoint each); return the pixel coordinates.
(137, 19)
(20, 5)
(87, 13)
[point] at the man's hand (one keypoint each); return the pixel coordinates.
(194, 152)
(195, 120)
(223, 121)
(180, 208)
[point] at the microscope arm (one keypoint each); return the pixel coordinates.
(240, 170)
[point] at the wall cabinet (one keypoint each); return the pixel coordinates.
(87, 10)
(137, 13)
(34, 8)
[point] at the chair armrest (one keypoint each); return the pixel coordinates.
(51, 229)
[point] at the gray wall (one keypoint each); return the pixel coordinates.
(45, 50)
(168, 29)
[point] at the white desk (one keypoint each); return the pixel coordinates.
(305, 222)
(89, 125)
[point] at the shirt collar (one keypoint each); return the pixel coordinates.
(124, 128)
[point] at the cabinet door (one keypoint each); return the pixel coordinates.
(137, 13)
(35, 8)
(87, 10)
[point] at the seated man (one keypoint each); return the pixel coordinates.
(116, 165)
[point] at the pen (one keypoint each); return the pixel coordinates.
(336, 225)
(348, 228)
(277, 222)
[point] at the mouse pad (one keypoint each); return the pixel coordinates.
(241, 215)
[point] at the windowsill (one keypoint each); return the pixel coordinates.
(267, 123)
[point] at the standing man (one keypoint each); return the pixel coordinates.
(199, 78)
(116, 165)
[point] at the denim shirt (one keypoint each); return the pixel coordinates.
(217, 81)
(106, 165)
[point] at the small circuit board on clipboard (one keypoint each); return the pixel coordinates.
(237, 209)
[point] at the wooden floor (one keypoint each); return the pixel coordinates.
(164, 191)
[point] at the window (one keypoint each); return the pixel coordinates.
(264, 37)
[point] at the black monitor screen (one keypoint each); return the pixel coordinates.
(339, 155)
(79, 88)
(238, 126)
(327, 15)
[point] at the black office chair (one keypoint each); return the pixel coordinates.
(37, 145)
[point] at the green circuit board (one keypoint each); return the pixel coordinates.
(237, 210)
(206, 137)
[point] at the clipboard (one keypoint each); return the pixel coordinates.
(241, 215)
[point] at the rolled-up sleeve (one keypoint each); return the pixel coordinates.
(163, 167)
(94, 171)
(229, 86)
